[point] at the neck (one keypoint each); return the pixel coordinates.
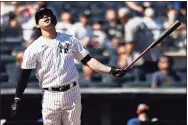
(84, 24)
(143, 117)
(165, 71)
(112, 23)
(50, 34)
(67, 22)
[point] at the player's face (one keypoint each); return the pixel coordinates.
(45, 22)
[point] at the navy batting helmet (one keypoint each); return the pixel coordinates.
(45, 11)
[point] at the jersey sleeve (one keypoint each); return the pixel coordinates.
(29, 59)
(78, 50)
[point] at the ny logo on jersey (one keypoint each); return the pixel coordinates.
(65, 47)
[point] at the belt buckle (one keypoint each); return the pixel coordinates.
(49, 89)
(61, 88)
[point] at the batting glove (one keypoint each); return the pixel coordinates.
(14, 106)
(117, 72)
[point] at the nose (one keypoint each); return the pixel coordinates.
(46, 16)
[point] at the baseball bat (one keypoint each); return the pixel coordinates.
(157, 41)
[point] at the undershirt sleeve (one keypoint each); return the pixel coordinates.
(22, 82)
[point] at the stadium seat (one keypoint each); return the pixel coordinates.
(2, 67)
(9, 44)
(136, 85)
(95, 51)
(97, 77)
(149, 77)
(101, 84)
(8, 59)
(84, 83)
(33, 84)
(79, 68)
(32, 77)
(22, 123)
(117, 82)
(3, 77)
(174, 85)
(5, 50)
(102, 59)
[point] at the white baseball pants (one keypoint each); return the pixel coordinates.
(62, 108)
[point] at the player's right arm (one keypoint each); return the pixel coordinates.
(29, 63)
(82, 55)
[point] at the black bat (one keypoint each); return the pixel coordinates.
(157, 41)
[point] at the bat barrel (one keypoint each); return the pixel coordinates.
(166, 33)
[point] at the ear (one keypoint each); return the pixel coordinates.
(37, 26)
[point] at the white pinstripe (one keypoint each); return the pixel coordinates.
(54, 69)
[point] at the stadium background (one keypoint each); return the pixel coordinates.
(105, 101)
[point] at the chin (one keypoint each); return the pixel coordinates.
(48, 27)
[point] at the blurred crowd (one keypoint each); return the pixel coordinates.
(115, 33)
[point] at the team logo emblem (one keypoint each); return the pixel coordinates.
(65, 47)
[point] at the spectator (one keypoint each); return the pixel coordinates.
(89, 77)
(65, 24)
(98, 39)
(181, 7)
(88, 73)
(152, 23)
(82, 30)
(123, 15)
(143, 113)
(132, 54)
(14, 70)
(172, 17)
(120, 59)
(178, 37)
(6, 8)
(137, 8)
(13, 31)
(136, 31)
(165, 75)
(113, 28)
(20, 11)
(115, 42)
(30, 23)
(126, 55)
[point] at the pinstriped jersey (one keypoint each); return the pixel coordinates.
(53, 59)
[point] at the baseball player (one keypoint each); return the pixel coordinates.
(52, 56)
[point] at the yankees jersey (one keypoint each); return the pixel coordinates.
(53, 59)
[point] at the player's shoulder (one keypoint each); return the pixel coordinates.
(66, 37)
(33, 46)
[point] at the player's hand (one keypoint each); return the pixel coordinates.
(14, 107)
(117, 72)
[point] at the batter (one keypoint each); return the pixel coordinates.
(52, 56)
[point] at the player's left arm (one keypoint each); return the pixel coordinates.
(95, 64)
(29, 63)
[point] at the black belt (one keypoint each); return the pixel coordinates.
(62, 88)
